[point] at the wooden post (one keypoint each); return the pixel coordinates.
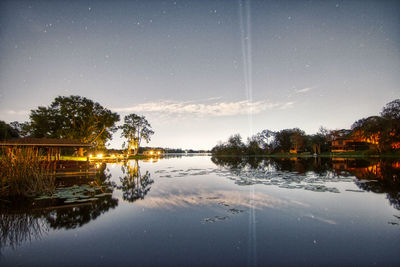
(80, 152)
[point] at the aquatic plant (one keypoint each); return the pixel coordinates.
(22, 173)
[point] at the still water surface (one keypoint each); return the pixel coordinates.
(213, 211)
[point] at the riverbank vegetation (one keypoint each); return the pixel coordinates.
(23, 173)
(375, 135)
(80, 119)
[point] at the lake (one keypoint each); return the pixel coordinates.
(199, 210)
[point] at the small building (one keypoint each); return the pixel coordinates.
(342, 144)
(50, 146)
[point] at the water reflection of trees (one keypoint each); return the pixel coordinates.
(79, 215)
(24, 220)
(134, 185)
(374, 175)
(298, 165)
(382, 177)
(18, 228)
(291, 173)
(76, 215)
(320, 166)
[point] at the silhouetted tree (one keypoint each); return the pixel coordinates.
(8, 131)
(234, 146)
(73, 117)
(253, 146)
(289, 138)
(392, 110)
(265, 139)
(134, 129)
(319, 142)
(390, 137)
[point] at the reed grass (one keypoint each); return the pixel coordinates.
(18, 228)
(23, 173)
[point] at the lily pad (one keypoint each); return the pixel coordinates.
(215, 219)
(43, 197)
(71, 200)
(235, 211)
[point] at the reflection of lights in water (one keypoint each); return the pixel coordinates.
(131, 163)
(396, 164)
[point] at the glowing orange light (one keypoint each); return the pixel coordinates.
(396, 164)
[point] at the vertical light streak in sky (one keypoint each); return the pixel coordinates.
(245, 37)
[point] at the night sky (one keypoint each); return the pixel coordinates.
(203, 70)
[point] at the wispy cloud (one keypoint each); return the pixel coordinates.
(304, 90)
(241, 107)
(17, 112)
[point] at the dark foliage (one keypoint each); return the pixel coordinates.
(8, 131)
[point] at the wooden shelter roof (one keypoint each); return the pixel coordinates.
(44, 142)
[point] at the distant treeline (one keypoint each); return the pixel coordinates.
(172, 150)
(164, 150)
(383, 131)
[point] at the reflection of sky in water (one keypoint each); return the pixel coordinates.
(197, 213)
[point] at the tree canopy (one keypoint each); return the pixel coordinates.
(8, 131)
(134, 129)
(377, 132)
(383, 130)
(392, 110)
(73, 117)
(289, 139)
